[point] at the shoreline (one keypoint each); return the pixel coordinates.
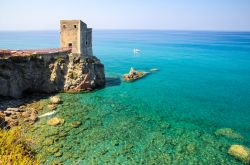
(48, 140)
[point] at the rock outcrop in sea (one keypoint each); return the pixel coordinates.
(48, 73)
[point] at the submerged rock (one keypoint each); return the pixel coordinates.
(54, 121)
(240, 152)
(76, 124)
(58, 154)
(191, 148)
(48, 142)
(55, 100)
(52, 150)
(229, 133)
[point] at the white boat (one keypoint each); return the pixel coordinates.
(136, 50)
(154, 69)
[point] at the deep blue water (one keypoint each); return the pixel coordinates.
(203, 84)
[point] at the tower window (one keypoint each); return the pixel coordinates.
(64, 26)
(86, 43)
(75, 26)
(70, 45)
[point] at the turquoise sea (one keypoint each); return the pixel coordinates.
(168, 117)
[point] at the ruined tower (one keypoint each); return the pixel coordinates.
(76, 34)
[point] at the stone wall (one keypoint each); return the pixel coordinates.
(89, 42)
(70, 33)
(76, 33)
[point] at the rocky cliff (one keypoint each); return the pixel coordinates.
(47, 73)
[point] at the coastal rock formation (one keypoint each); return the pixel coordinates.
(84, 73)
(47, 73)
(134, 75)
(240, 152)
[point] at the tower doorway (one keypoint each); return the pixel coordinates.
(70, 45)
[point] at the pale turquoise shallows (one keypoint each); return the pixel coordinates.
(168, 117)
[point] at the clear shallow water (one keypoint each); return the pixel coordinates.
(170, 116)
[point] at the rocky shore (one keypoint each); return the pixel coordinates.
(16, 121)
(24, 111)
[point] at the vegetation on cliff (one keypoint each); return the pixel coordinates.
(15, 148)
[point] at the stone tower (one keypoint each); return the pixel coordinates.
(76, 34)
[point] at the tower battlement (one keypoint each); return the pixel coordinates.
(76, 35)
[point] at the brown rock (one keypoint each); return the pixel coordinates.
(14, 116)
(11, 122)
(240, 152)
(26, 114)
(8, 113)
(33, 111)
(8, 119)
(55, 100)
(13, 109)
(22, 107)
(52, 106)
(2, 115)
(33, 118)
(2, 120)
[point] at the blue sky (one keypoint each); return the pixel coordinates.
(231, 15)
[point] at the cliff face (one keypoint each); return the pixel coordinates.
(57, 72)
